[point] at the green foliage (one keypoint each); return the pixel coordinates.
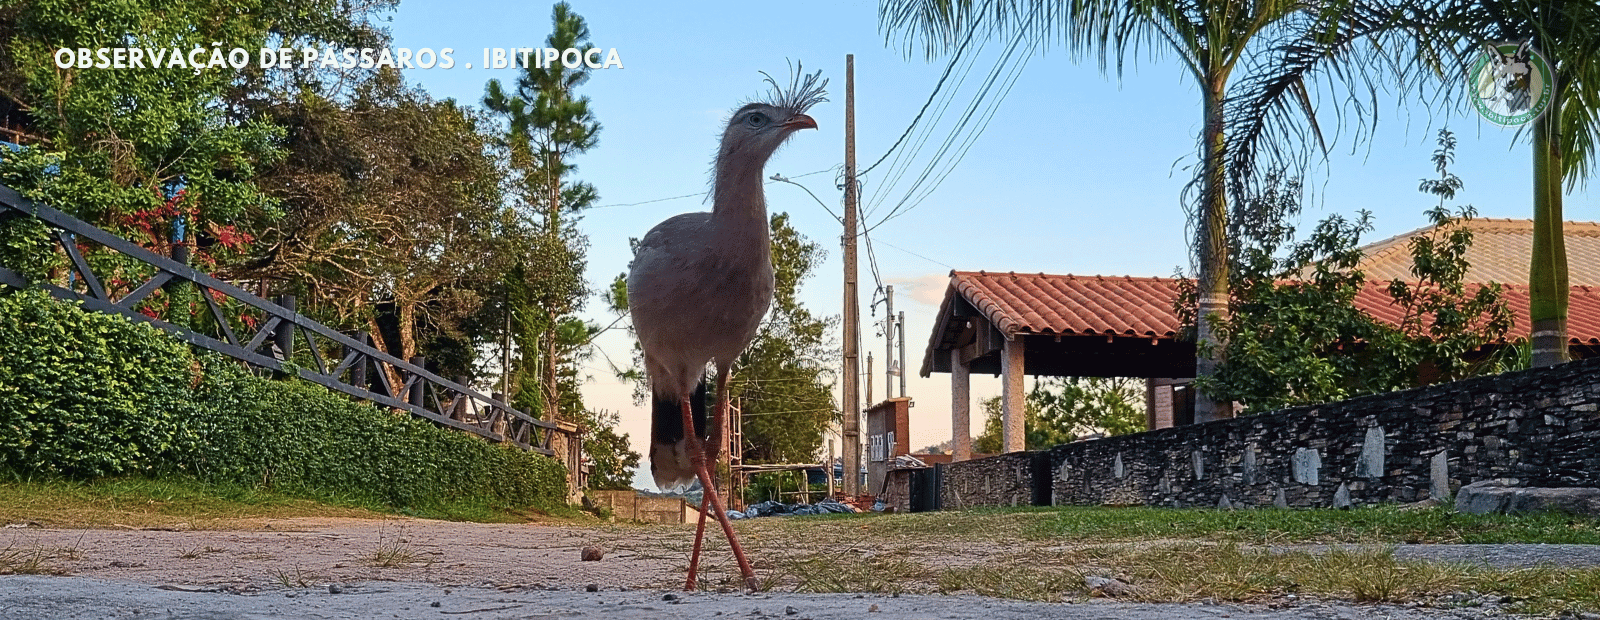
(1295, 335)
(123, 136)
(1065, 409)
(783, 380)
(611, 459)
(400, 460)
(547, 124)
(85, 394)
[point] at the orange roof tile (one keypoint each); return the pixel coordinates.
(1499, 252)
(1071, 305)
(1045, 304)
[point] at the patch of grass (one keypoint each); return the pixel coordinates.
(197, 551)
(35, 560)
(884, 573)
(1376, 525)
(1018, 581)
(1193, 571)
(174, 501)
(393, 550)
(296, 577)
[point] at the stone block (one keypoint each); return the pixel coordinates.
(1341, 496)
(1199, 465)
(1497, 496)
(1250, 464)
(1307, 465)
(1370, 463)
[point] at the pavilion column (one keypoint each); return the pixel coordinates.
(960, 408)
(1012, 396)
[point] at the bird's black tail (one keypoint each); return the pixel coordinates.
(669, 448)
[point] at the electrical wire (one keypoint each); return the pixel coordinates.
(655, 200)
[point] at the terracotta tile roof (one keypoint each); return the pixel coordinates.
(1499, 252)
(1044, 304)
(1040, 303)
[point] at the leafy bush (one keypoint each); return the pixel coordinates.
(302, 438)
(85, 394)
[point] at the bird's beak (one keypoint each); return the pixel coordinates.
(800, 121)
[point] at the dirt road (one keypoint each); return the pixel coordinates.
(409, 568)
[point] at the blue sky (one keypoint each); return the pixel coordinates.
(1077, 172)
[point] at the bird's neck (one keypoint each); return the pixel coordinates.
(739, 199)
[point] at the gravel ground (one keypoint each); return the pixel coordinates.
(401, 568)
(76, 598)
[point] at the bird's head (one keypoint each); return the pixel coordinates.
(757, 129)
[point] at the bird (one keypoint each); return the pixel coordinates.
(698, 288)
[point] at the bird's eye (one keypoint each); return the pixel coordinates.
(757, 119)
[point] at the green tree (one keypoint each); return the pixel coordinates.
(1209, 37)
(1065, 409)
(1447, 36)
(143, 153)
(1563, 138)
(546, 125)
(1297, 336)
(393, 217)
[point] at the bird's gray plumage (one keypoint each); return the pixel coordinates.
(700, 283)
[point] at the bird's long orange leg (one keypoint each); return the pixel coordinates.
(697, 457)
(699, 535)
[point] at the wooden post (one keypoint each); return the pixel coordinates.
(284, 336)
(418, 387)
(358, 370)
(458, 405)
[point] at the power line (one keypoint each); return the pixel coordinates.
(932, 176)
(655, 200)
(914, 254)
(931, 96)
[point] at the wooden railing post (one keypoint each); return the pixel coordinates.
(284, 336)
(458, 402)
(358, 370)
(419, 386)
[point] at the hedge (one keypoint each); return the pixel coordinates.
(86, 395)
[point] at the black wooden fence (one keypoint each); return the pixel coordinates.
(419, 392)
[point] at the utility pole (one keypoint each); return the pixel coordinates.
(888, 338)
(851, 399)
(901, 332)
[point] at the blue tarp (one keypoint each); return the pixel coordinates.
(780, 509)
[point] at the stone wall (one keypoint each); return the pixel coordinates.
(1538, 427)
(1004, 480)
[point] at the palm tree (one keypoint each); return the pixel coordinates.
(1568, 34)
(1210, 38)
(1446, 36)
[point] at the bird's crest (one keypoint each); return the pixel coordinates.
(803, 92)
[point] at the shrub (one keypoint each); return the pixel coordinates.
(85, 394)
(301, 438)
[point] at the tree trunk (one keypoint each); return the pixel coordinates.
(1547, 271)
(552, 398)
(1211, 246)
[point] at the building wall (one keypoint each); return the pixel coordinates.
(1538, 427)
(630, 506)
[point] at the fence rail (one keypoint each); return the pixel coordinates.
(419, 392)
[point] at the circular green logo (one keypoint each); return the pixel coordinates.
(1510, 83)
